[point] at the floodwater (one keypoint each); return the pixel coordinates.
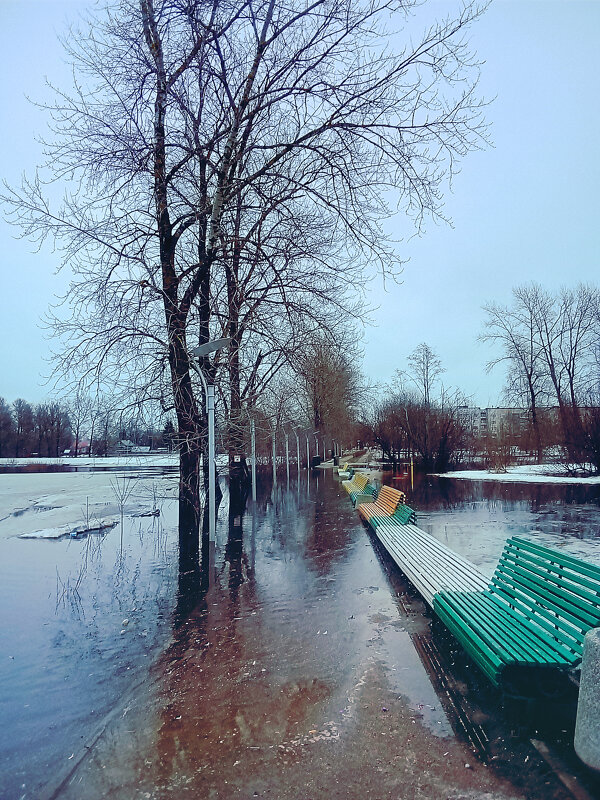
(299, 653)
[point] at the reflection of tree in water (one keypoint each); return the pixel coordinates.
(235, 556)
(306, 519)
(220, 692)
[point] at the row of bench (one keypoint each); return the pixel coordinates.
(532, 615)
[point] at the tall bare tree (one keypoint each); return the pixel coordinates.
(424, 371)
(185, 113)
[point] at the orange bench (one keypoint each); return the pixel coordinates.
(387, 502)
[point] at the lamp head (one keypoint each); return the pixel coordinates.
(210, 347)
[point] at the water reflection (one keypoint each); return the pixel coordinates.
(475, 518)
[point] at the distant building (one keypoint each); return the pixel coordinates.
(126, 447)
(492, 421)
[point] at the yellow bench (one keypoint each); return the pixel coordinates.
(387, 502)
(358, 485)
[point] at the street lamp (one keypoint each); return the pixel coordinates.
(253, 446)
(209, 391)
(297, 452)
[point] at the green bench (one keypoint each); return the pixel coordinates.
(358, 485)
(403, 514)
(531, 619)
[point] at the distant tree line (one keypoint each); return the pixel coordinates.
(550, 345)
(79, 426)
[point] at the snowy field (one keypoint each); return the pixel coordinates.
(98, 462)
(526, 473)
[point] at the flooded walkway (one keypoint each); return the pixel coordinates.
(307, 670)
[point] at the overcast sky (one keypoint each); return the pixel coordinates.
(525, 209)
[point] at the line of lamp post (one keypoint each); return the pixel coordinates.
(209, 391)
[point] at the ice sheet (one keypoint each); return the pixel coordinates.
(52, 504)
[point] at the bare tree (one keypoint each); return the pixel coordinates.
(549, 342)
(80, 409)
(329, 386)
(515, 329)
(185, 113)
(425, 370)
(24, 426)
(567, 331)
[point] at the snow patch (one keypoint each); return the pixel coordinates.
(102, 526)
(524, 473)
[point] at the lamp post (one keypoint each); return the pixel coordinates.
(287, 456)
(297, 451)
(274, 446)
(253, 439)
(209, 390)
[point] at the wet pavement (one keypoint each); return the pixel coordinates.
(308, 669)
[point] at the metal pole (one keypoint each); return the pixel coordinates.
(287, 456)
(297, 450)
(307, 453)
(253, 438)
(274, 455)
(212, 505)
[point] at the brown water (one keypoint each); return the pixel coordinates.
(208, 682)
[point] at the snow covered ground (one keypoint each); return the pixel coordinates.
(530, 473)
(152, 459)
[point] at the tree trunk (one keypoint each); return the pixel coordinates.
(535, 423)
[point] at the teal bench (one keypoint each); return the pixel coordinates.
(405, 515)
(358, 486)
(531, 618)
(402, 515)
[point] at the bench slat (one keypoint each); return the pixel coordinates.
(531, 641)
(568, 642)
(591, 570)
(472, 607)
(561, 601)
(426, 562)
(384, 505)
(553, 573)
(477, 647)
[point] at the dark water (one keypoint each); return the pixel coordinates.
(80, 620)
(293, 583)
